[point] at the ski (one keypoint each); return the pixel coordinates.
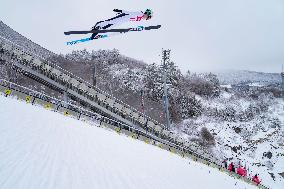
(114, 30)
(139, 28)
(97, 31)
(85, 39)
(152, 27)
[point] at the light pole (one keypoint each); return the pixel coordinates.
(165, 58)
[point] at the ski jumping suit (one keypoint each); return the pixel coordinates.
(122, 17)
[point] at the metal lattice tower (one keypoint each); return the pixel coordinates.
(166, 59)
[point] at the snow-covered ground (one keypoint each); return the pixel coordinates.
(44, 149)
(257, 144)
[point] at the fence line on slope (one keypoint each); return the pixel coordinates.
(36, 98)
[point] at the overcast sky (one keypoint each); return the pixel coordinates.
(204, 35)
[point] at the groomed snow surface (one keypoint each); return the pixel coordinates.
(43, 149)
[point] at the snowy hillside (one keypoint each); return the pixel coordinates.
(244, 134)
(44, 149)
(244, 76)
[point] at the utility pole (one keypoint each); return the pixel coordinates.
(165, 59)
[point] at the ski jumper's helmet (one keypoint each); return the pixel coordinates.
(149, 13)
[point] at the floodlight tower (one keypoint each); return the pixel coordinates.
(165, 59)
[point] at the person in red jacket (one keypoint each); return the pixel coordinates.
(244, 172)
(241, 171)
(256, 179)
(231, 167)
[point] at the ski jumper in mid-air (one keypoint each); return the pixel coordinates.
(106, 28)
(122, 17)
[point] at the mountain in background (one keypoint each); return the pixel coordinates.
(247, 77)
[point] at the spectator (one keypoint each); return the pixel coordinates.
(231, 167)
(241, 171)
(256, 180)
(225, 163)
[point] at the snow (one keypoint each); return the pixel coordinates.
(263, 134)
(256, 84)
(226, 95)
(226, 86)
(44, 149)
(228, 77)
(257, 144)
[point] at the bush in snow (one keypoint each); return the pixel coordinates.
(185, 106)
(253, 110)
(189, 127)
(206, 85)
(207, 139)
(3, 72)
(190, 107)
(154, 82)
(228, 114)
(274, 123)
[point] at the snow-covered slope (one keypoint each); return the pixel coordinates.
(256, 143)
(44, 149)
